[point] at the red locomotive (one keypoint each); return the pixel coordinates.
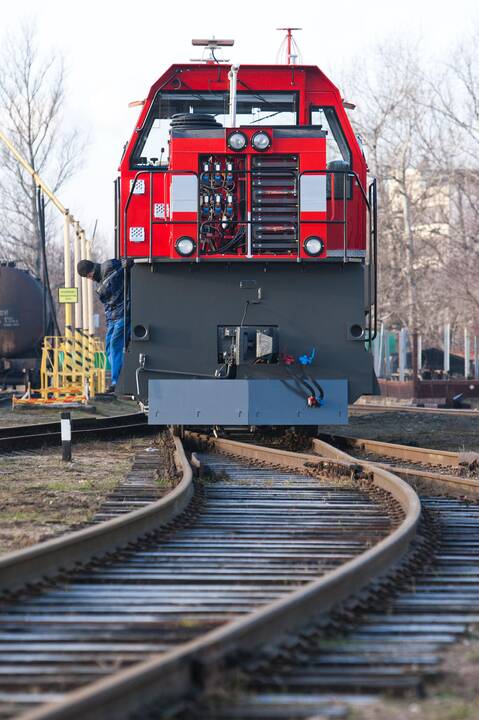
(243, 200)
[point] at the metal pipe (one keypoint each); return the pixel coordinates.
(68, 270)
(402, 354)
(467, 353)
(89, 293)
(68, 219)
(447, 347)
(77, 283)
(233, 78)
(84, 283)
(476, 361)
(36, 177)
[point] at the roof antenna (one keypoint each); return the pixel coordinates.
(289, 52)
(210, 46)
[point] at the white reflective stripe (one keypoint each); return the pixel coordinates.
(313, 193)
(66, 429)
(349, 253)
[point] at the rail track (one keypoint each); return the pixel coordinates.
(391, 639)
(190, 580)
(22, 437)
(454, 471)
(387, 645)
(359, 409)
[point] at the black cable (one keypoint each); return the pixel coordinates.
(298, 391)
(318, 388)
(246, 306)
(232, 244)
(307, 382)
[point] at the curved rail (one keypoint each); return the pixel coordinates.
(196, 665)
(424, 456)
(402, 452)
(35, 563)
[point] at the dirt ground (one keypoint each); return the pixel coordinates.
(42, 496)
(26, 415)
(443, 432)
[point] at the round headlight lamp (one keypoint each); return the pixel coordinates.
(313, 246)
(261, 141)
(237, 141)
(185, 246)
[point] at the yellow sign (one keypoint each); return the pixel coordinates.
(68, 295)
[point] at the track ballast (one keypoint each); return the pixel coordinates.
(245, 540)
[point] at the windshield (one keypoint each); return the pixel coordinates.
(252, 108)
(336, 145)
(266, 108)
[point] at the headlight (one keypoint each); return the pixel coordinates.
(237, 141)
(185, 246)
(261, 141)
(313, 246)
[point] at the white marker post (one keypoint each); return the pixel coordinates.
(66, 430)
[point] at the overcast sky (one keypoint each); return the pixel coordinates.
(115, 50)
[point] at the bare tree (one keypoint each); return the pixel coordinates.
(32, 101)
(455, 98)
(412, 151)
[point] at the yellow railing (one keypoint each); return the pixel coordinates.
(73, 370)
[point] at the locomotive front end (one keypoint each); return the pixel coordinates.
(243, 202)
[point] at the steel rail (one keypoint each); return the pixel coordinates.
(78, 424)
(27, 437)
(49, 558)
(196, 666)
(425, 456)
(360, 409)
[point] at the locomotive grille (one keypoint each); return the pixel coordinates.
(274, 204)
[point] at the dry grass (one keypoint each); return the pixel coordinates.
(41, 496)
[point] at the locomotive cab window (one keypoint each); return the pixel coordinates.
(266, 108)
(152, 148)
(338, 154)
(336, 145)
(253, 108)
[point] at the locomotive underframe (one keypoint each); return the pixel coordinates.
(179, 308)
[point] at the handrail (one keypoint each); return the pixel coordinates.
(244, 222)
(373, 263)
(369, 198)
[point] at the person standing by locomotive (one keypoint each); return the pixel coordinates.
(110, 276)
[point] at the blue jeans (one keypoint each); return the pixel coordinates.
(114, 346)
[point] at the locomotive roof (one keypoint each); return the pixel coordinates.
(220, 70)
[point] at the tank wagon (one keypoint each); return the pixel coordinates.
(243, 200)
(21, 324)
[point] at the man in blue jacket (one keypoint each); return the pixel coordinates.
(110, 276)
